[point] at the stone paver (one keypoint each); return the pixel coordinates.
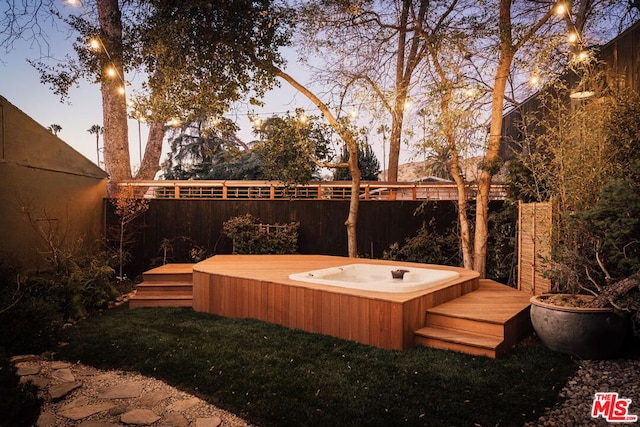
(183, 405)
(208, 422)
(122, 391)
(82, 396)
(63, 375)
(140, 417)
(59, 391)
(80, 412)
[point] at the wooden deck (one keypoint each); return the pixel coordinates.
(170, 285)
(469, 315)
(488, 321)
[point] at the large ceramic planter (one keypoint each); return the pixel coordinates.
(589, 333)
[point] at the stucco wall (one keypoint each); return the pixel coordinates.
(57, 185)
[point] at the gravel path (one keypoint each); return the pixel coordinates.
(621, 376)
(76, 395)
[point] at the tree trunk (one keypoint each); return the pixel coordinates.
(354, 202)
(114, 109)
(150, 164)
(492, 154)
(613, 292)
(491, 161)
(394, 141)
(352, 145)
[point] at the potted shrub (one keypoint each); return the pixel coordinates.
(585, 158)
(599, 271)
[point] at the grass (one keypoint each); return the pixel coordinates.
(275, 376)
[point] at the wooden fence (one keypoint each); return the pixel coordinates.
(534, 244)
(182, 225)
(318, 190)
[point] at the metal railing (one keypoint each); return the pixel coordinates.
(318, 190)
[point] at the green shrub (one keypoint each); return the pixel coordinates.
(35, 305)
(427, 247)
(29, 322)
(19, 403)
(251, 237)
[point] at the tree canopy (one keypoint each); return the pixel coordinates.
(293, 148)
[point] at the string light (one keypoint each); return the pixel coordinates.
(561, 9)
(583, 55)
(94, 43)
(573, 37)
(111, 71)
(534, 80)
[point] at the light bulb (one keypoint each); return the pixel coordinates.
(534, 80)
(94, 44)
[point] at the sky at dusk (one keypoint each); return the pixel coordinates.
(20, 85)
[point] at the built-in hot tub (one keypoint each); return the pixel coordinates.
(379, 278)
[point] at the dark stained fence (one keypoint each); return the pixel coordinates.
(186, 224)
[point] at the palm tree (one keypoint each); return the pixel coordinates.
(54, 129)
(384, 129)
(97, 130)
(438, 161)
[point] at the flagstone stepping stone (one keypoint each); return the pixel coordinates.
(183, 405)
(174, 419)
(80, 401)
(80, 412)
(38, 381)
(59, 391)
(26, 370)
(97, 424)
(154, 398)
(122, 391)
(46, 419)
(141, 417)
(119, 410)
(60, 365)
(24, 358)
(208, 422)
(63, 375)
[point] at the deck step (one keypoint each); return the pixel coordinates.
(164, 288)
(440, 320)
(159, 301)
(169, 273)
(487, 321)
(461, 341)
(170, 285)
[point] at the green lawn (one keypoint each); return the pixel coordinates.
(275, 376)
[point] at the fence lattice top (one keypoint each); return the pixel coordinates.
(321, 190)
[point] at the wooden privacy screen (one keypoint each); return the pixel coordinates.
(534, 244)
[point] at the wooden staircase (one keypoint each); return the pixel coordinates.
(170, 285)
(487, 322)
